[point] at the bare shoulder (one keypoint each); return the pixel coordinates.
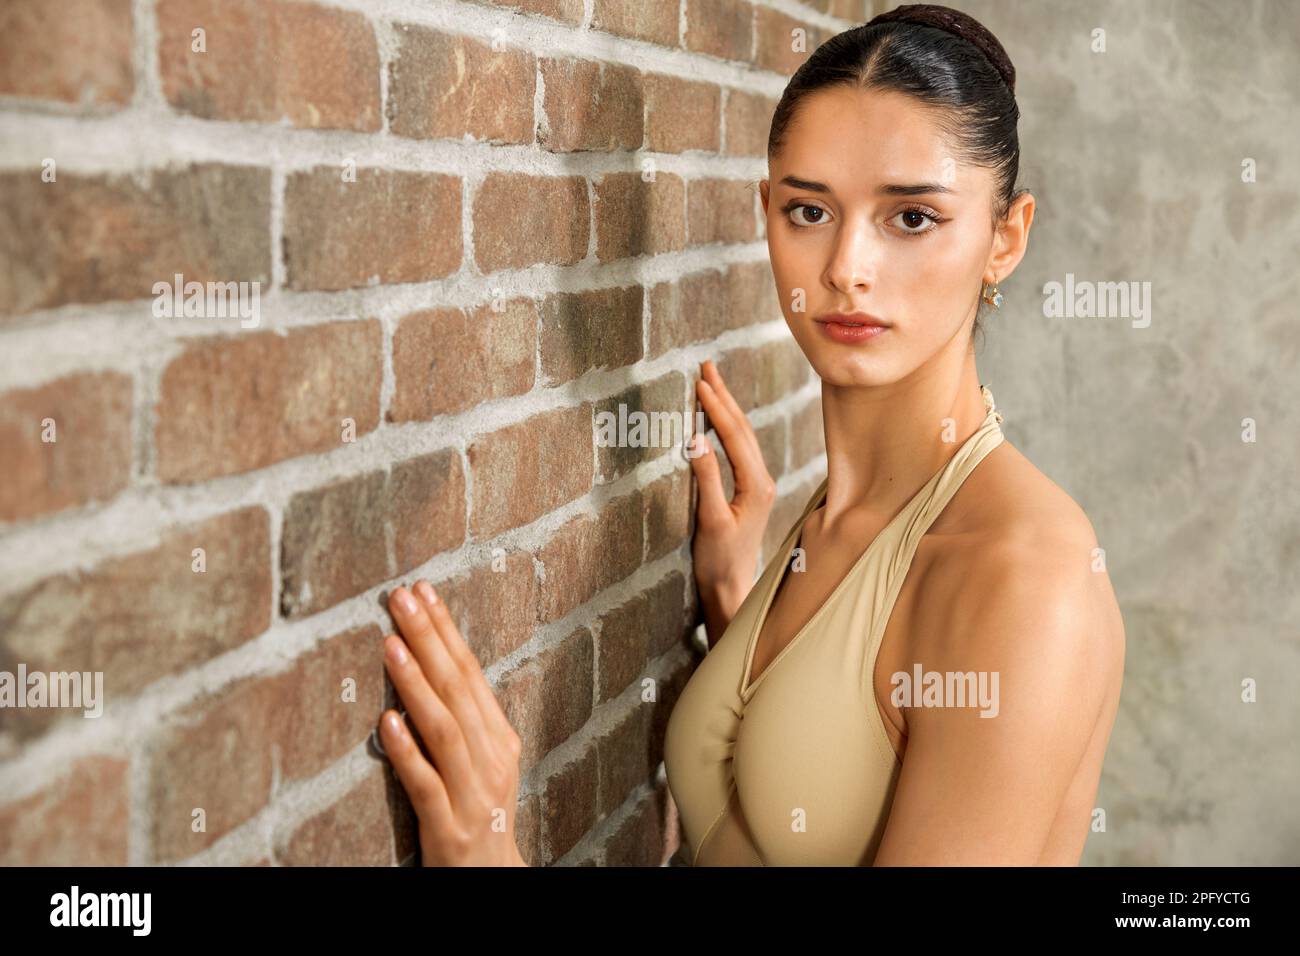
(1014, 569)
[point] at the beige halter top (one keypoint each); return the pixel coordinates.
(796, 769)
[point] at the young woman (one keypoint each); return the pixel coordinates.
(929, 670)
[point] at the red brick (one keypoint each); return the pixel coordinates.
(548, 699)
(591, 106)
(691, 309)
(636, 632)
(750, 294)
(766, 374)
(314, 725)
(78, 820)
(522, 471)
(663, 403)
(357, 830)
(522, 220)
(234, 404)
(785, 513)
(807, 434)
(721, 28)
(528, 829)
(335, 544)
(335, 540)
(645, 836)
(771, 444)
(668, 513)
(90, 459)
(494, 605)
(635, 218)
(77, 51)
(217, 756)
(590, 553)
(220, 753)
(581, 331)
(450, 360)
(682, 115)
(857, 10)
(568, 11)
(625, 761)
(722, 210)
(387, 227)
(703, 305)
(652, 22)
(144, 615)
(569, 805)
(268, 61)
(446, 86)
(207, 222)
(426, 498)
(776, 39)
(749, 122)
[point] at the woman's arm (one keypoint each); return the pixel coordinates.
(728, 534)
(985, 791)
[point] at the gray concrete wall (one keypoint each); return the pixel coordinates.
(1135, 157)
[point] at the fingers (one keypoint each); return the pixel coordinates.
(494, 717)
(441, 674)
(438, 727)
(738, 438)
(713, 376)
(708, 474)
(418, 778)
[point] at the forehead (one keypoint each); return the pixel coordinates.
(844, 136)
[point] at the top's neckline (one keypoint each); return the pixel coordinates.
(747, 687)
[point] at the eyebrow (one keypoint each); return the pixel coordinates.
(888, 189)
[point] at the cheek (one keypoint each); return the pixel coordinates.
(795, 265)
(939, 266)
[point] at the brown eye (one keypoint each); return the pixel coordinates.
(812, 215)
(917, 222)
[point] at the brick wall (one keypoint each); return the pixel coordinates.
(474, 226)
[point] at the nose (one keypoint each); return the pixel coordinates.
(851, 268)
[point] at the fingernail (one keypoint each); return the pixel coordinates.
(394, 723)
(396, 652)
(425, 590)
(405, 601)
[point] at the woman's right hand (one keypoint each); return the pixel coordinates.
(728, 534)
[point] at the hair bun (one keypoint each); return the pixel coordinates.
(959, 24)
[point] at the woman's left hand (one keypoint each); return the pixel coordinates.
(466, 788)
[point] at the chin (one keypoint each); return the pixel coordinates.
(849, 365)
(848, 374)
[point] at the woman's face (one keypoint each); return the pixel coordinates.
(844, 237)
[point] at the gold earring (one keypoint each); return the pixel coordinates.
(992, 296)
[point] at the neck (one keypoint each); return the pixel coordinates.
(884, 442)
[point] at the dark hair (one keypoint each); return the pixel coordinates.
(944, 58)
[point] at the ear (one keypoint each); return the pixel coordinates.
(763, 188)
(1011, 239)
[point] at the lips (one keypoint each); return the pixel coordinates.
(852, 319)
(851, 328)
